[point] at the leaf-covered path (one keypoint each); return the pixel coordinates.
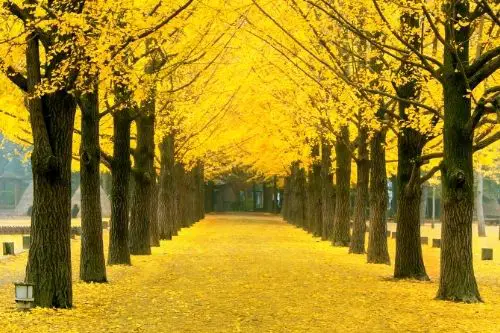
(254, 273)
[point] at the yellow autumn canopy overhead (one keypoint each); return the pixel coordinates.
(249, 82)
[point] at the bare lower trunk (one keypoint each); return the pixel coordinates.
(457, 281)
(300, 194)
(144, 181)
(317, 223)
(154, 228)
(409, 262)
(327, 193)
(377, 238)
(92, 263)
(119, 253)
(357, 244)
(285, 210)
(341, 235)
(201, 192)
(181, 202)
(314, 195)
(49, 259)
(166, 201)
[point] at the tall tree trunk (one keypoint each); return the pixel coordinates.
(201, 191)
(52, 123)
(409, 262)
(481, 226)
(92, 263)
(293, 202)
(166, 201)
(286, 199)
(377, 238)
(119, 253)
(181, 204)
(154, 228)
(457, 281)
(144, 179)
(314, 194)
(343, 176)
(49, 260)
(327, 193)
(357, 244)
(316, 205)
(300, 200)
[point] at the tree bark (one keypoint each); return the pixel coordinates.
(316, 205)
(166, 201)
(92, 263)
(154, 227)
(144, 179)
(377, 238)
(457, 281)
(314, 195)
(357, 244)
(341, 225)
(181, 204)
(119, 253)
(409, 262)
(300, 193)
(327, 193)
(286, 199)
(49, 260)
(201, 191)
(52, 124)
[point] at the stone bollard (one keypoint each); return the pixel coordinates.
(424, 240)
(436, 243)
(394, 234)
(8, 248)
(105, 224)
(486, 254)
(26, 242)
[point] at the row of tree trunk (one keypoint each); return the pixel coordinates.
(138, 222)
(314, 203)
